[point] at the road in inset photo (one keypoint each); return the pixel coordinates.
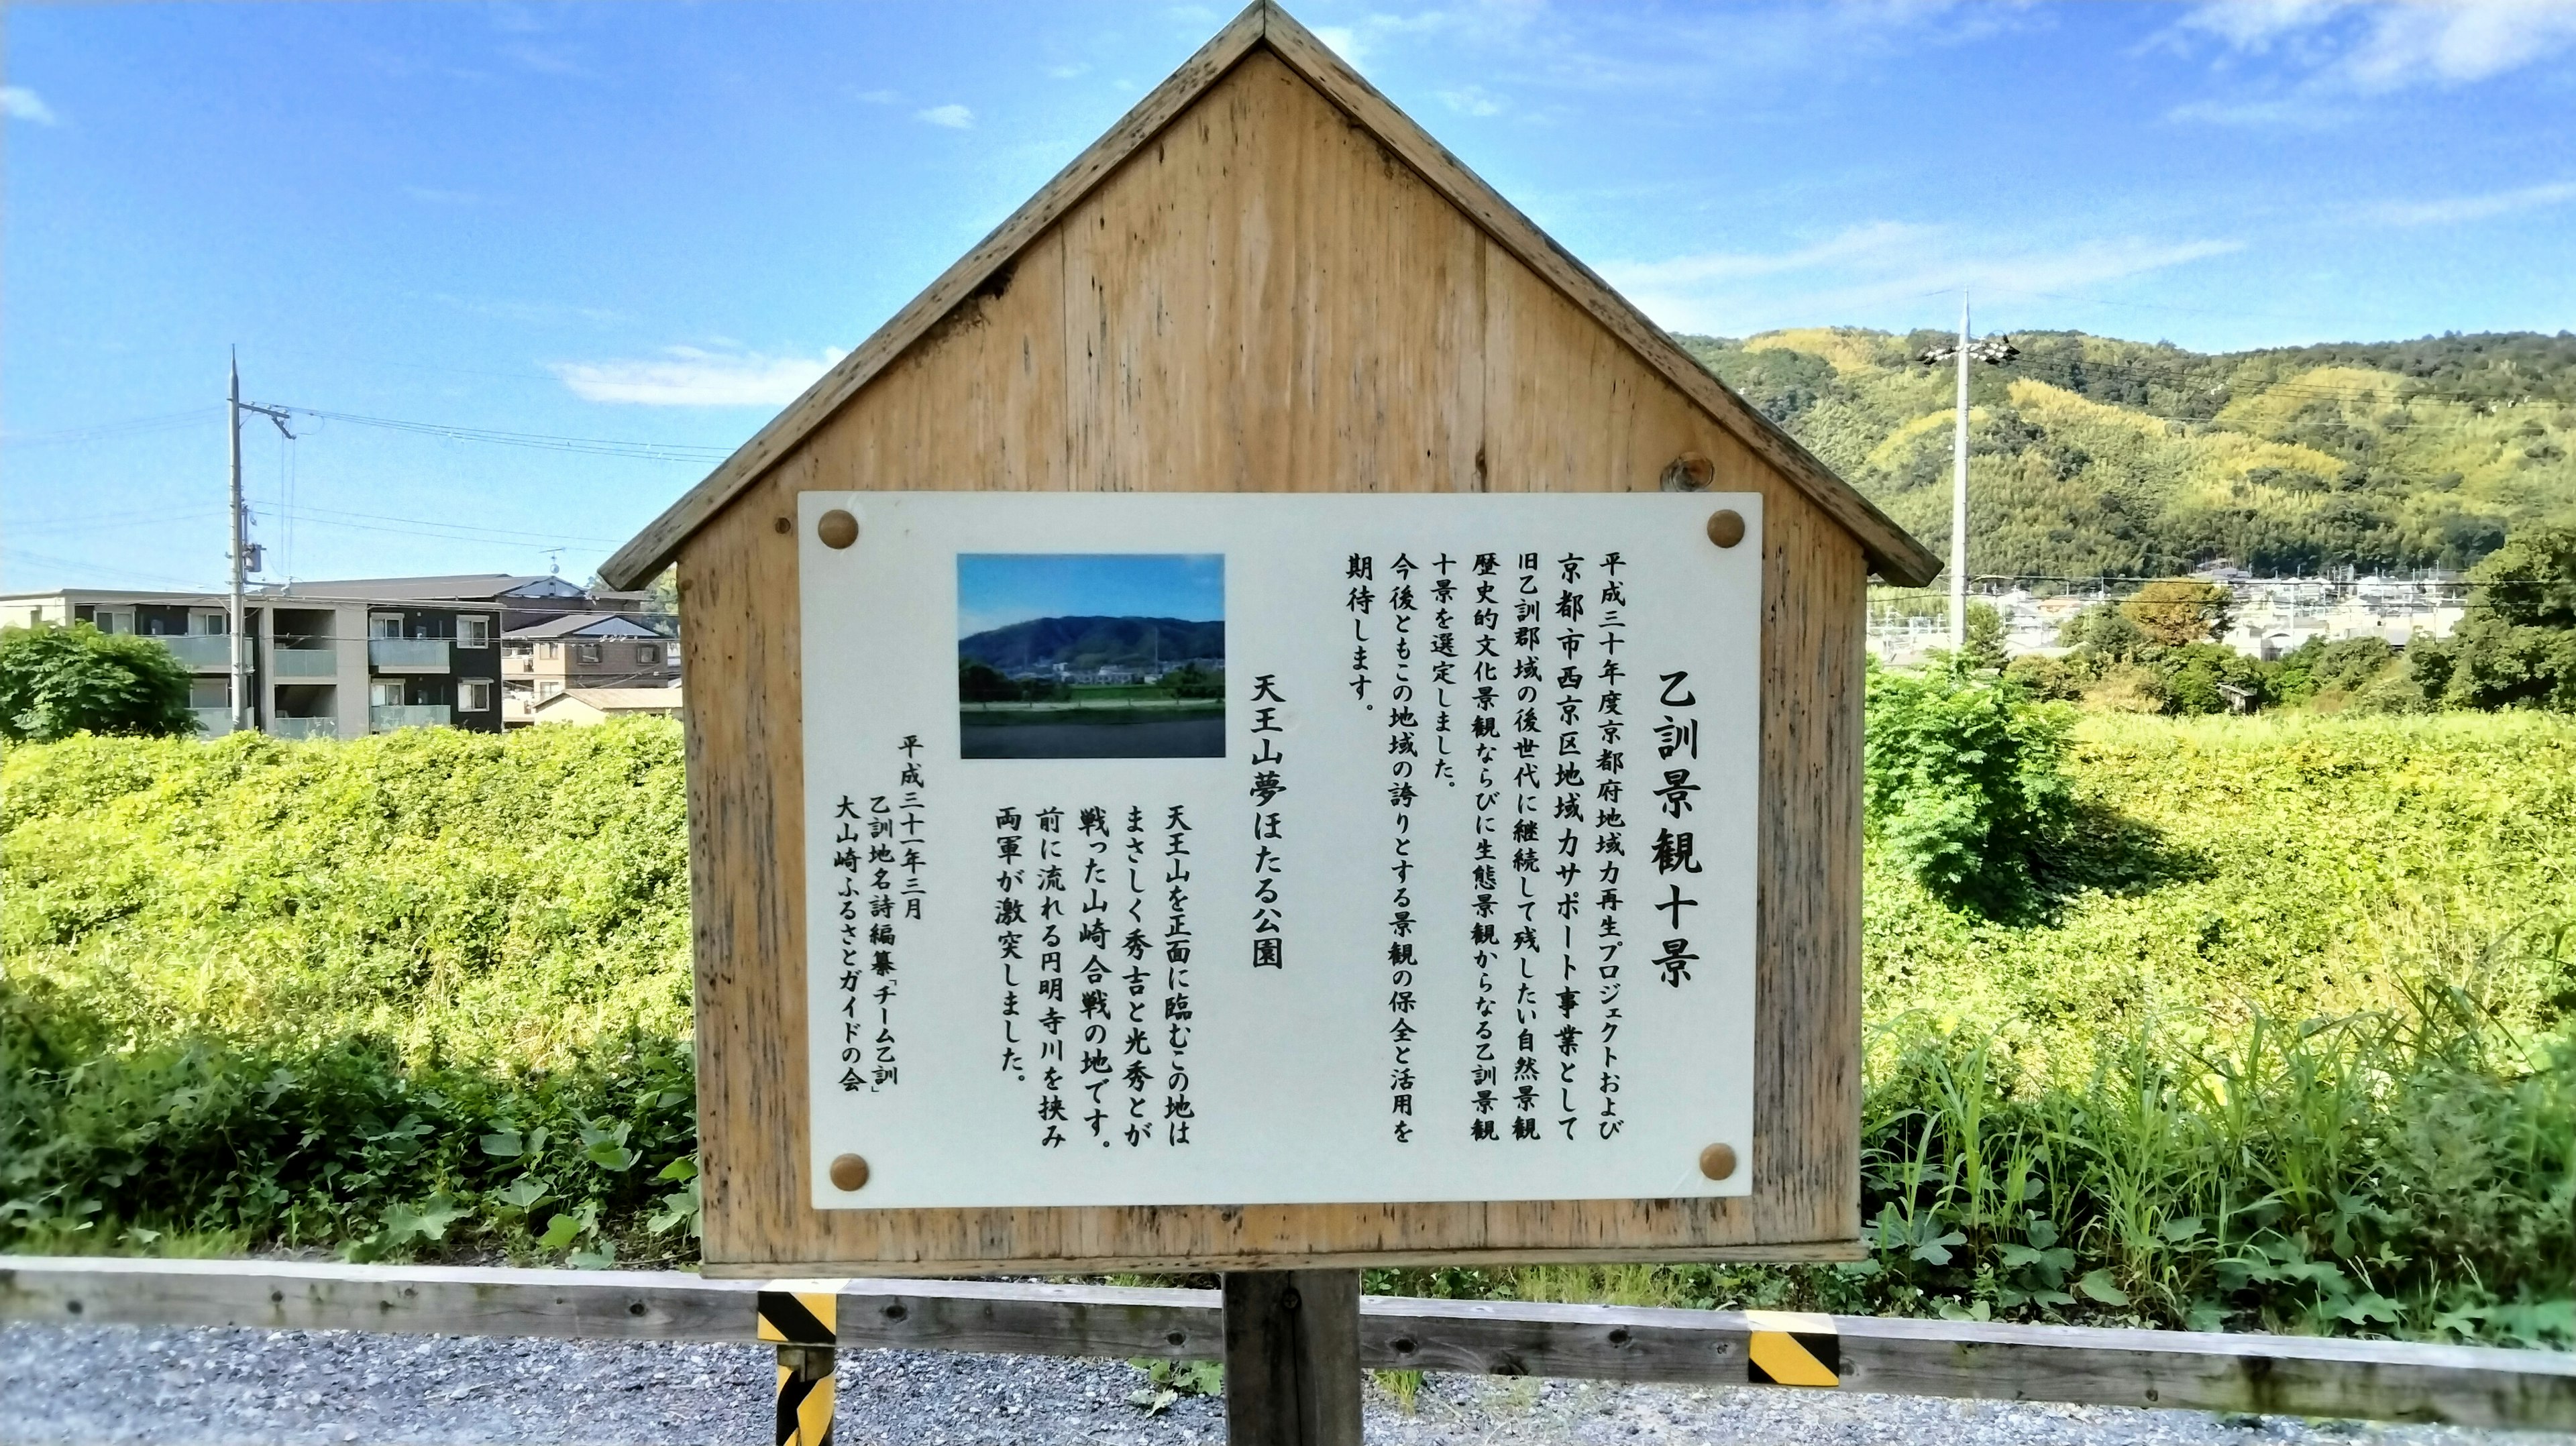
(1091, 655)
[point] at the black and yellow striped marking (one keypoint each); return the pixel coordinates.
(805, 1399)
(802, 1318)
(1792, 1348)
(797, 1317)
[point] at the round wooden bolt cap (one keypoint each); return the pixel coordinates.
(1726, 527)
(839, 529)
(1716, 1162)
(849, 1172)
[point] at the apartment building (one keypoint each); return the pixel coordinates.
(613, 650)
(320, 667)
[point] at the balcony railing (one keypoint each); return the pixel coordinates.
(304, 727)
(203, 652)
(410, 655)
(289, 660)
(382, 719)
(213, 722)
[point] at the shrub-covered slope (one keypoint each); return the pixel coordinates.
(2095, 457)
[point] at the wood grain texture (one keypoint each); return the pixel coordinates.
(1100, 342)
(2298, 1375)
(1265, 299)
(1292, 1358)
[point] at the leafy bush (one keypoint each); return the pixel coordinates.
(1963, 784)
(57, 681)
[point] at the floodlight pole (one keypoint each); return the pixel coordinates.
(1959, 497)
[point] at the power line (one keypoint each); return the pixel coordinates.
(111, 431)
(597, 446)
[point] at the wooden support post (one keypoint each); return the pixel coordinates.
(804, 1396)
(1292, 1357)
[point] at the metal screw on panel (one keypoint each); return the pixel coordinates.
(849, 1172)
(838, 529)
(1726, 527)
(1717, 1161)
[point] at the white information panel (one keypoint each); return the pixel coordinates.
(1190, 849)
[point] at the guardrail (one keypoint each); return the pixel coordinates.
(2297, 1375)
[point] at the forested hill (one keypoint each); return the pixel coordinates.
(1090, 642)
(2093, 457)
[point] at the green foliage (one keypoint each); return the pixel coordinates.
(1168, 1381)
(1983, 646)
(2293, 1045)
(2517, 645)
(1963, 784)
(399, 994)
(2093, 457)
(56, 681)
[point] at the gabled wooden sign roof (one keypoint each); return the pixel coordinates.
(1892, 552)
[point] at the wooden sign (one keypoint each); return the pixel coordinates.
(1267, 321)
(1203, 850)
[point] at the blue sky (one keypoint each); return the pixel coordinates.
(997, 589)
(653, 224)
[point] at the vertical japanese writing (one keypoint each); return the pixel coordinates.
(1093, 1071)
(1403, 752)
(1484, 694)
(1609, 823)
(1675, 853)
(1527, 1014)
(1049, 893)
(1444, 664)
(1137, 1048)
(851, 826)
(1567, 819)
(912, 859)
(1177, 1111)
(1268, 782)
(1010, 916)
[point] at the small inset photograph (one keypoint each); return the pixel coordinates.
(1091, 655)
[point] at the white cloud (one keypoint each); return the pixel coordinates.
(688, 376)
(954, 116)
(1472, 100)
(1878, 274)
(2344, 47)
(1343, 41)
(1067, 72)
(20, 103)
(2448, 210)
(876, 97)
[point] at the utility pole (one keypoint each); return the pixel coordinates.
(1993, 351)
(241, 549)
(241, 535)
(1958, 497)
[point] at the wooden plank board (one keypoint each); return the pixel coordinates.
(1256, 343)
(1263, 28)
(2295, 1375)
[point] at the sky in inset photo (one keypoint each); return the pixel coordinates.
(997, 589)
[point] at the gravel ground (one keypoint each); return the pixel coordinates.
(96, 1384)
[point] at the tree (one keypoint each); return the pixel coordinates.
(2176, 611)
(1983, 648)
(2517, 644)
(1965, 784)
(58, 681)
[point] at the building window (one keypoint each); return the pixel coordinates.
(384, 626)
(210, 692)
(649, 654)
(474, 696)
(549, 650)
(85, 613)
(385, 695)
(585, 652)
(473, 632)
(548, 688)
(214, 625)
